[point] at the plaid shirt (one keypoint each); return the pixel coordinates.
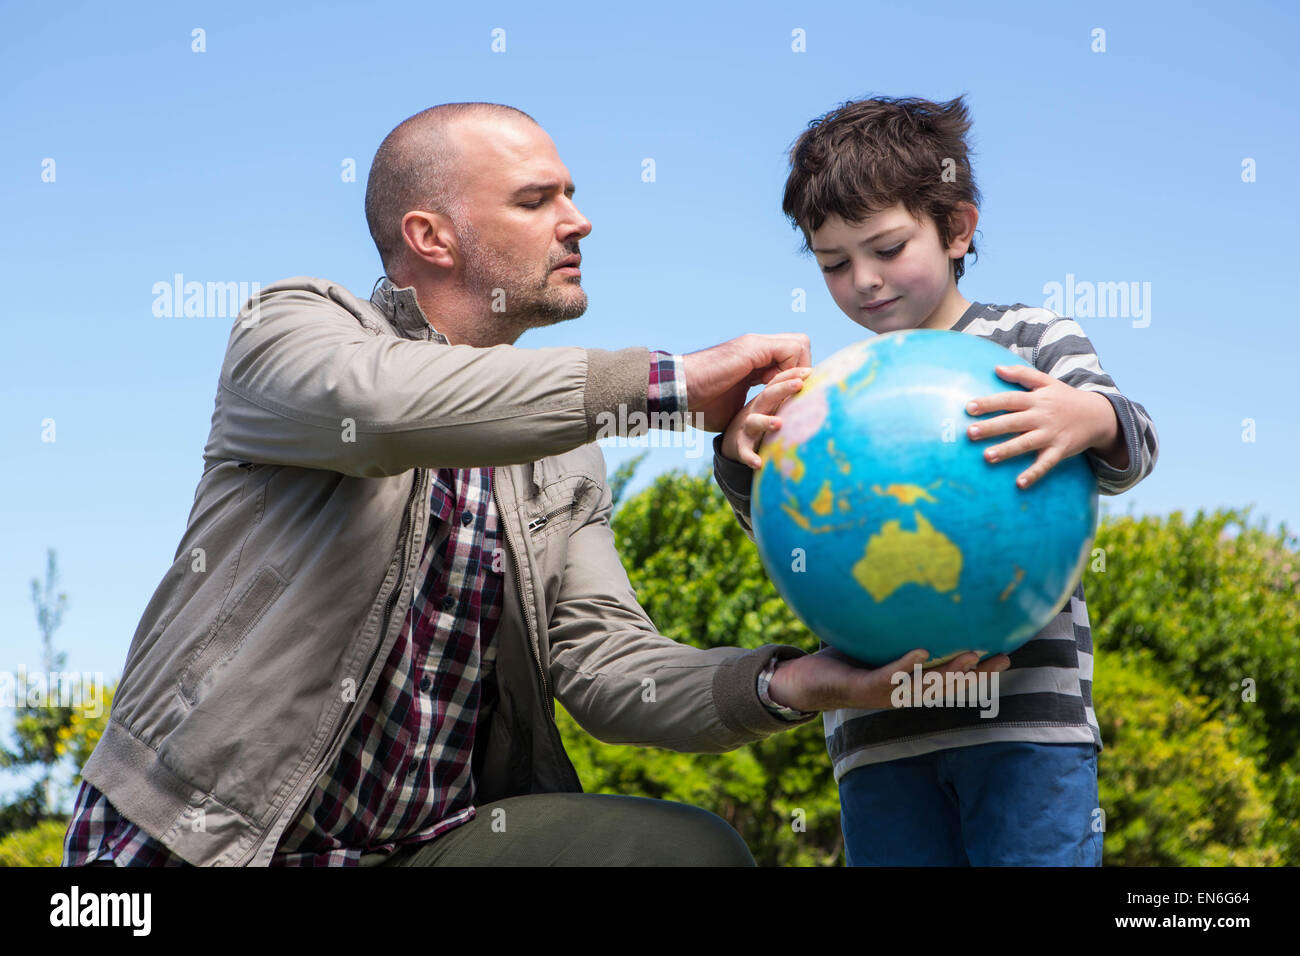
(403, 776)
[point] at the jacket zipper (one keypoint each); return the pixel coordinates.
(519, 581)
(538, 523)
(567, 767)
(404, 534)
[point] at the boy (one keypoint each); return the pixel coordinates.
(883, 193)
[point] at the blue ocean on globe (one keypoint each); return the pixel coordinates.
(883, 526)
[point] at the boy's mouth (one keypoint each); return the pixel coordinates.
(880, 305)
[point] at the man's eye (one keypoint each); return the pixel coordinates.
(834, 268)
(890, 253)
(532, 205)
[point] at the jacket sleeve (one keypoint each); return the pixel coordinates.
(735, 479)
(625, 683)
(1065, 353)
(307, 385)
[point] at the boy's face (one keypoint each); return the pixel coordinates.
(896, 263)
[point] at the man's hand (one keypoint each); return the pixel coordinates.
(829, 679)
(758, 419)
(1056, 418)
(718, 378)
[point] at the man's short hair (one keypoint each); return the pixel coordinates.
(868, 155)
(417, 166)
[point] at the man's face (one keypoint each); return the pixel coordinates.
(892, 261)
(520, 224)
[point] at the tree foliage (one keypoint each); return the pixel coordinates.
(1191, 773)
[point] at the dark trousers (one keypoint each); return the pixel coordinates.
(577, 829)
(581, 829)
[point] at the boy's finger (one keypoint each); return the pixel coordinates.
(998, 425)
(775, 394)
(1020, 445)
(1023, 373)
(1046, 462)
(797, 374)
(1002, 401)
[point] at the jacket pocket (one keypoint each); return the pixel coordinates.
(229, 634)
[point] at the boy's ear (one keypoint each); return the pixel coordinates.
(962, 221)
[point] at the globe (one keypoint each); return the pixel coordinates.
(883, 526)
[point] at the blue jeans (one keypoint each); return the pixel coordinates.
(1010, 803)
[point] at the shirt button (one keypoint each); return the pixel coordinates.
(466, 517)
(426, 683)
(449, 601)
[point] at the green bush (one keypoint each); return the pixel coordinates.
(1175, 783)
(700, 580)
(40, 846)
(1192, 774)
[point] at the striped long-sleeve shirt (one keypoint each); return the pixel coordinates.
(1046, 694)
(404, 775)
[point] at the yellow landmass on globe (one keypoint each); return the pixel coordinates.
(907, 494)
(822, 503)
(1006, 592)
(841, 461)
(895, 557)
(784, 459)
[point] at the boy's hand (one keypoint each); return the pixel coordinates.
(830, 679)
(1056, 418)
(758, 418)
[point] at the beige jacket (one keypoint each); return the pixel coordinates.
(264, 640)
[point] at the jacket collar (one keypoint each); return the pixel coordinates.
(402, 310)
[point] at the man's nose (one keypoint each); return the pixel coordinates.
(574, 223)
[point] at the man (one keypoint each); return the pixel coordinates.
(399, 554)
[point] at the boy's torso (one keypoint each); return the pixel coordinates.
(1046, 694)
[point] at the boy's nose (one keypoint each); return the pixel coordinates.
(866, 280)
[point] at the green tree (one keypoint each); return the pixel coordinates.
(701, 581)
(1214, 602)
(1176, 784)
(1193, 773)
(38, 723)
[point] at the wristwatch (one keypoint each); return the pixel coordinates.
(765, 681)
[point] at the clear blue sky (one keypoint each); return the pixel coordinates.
(1115, 166)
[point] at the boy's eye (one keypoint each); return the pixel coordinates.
(883, 253)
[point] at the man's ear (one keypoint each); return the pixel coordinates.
(430, 237)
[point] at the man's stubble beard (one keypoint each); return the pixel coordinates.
(523, 302)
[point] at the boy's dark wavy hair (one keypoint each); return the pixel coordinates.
(867, 155)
